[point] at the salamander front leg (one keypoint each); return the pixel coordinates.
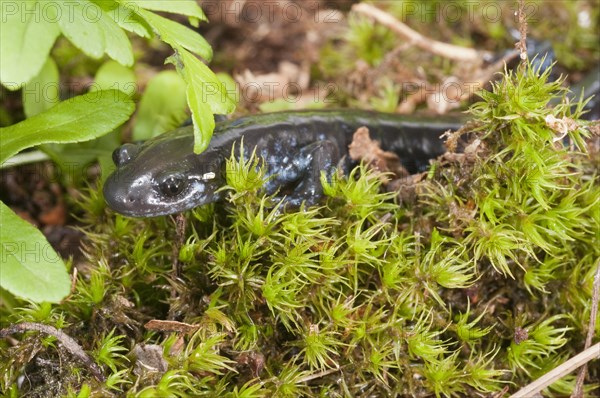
(310, 161)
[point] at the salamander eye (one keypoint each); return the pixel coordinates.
(172, 185)
(124, 154)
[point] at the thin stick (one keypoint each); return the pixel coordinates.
(445, 50)
(522, 43)
(482, 78)
(578, 392)
(317, 375)
(557, 373)
(67, 341)
(180, 221)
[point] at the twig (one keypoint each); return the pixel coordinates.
(522, 43)
(446, 50)
(180, 221)
(67, 341)
(74, 280)
(557, 373)
(180, 237)
(578, 391)
(317, 375)
(170, 326)
(481, 79)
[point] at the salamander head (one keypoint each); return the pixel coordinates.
(162, 176)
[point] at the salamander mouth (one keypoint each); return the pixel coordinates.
(128, 203)
(128, 196)
(142, 197)
(135, 206)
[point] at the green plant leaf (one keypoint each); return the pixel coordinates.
(85, 33)
(25, 42)
(178, 35)
(229, 86)
(184, 7)
(91, 29)
(205, 82)
(42, 92)
(118, 46)
(204, 121)
(126, 18)
(206, 96)
(75, 159)
(162, 107)
(77, 119)
(30, 268)
(114, 76)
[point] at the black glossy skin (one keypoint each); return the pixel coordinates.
(163, 175)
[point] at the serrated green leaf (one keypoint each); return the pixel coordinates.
(204, 121)
(184, 7)
(178, 35)
(114, 76)
(117, 44)
(229, 86)
(80, 28)
(29, 266)
(42, 92)
(126, 18)
(77, 119)
(205, 81)
(75, 159)
(90, 28)
(162, 107)
(206, 96)
(25, 42)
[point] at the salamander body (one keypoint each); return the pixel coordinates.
(163, 175)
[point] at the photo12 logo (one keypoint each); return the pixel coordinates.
(270, 11)
(29, 252)
(460, 11)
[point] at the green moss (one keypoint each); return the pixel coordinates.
(483, 281)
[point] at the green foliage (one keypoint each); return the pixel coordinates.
(75, 159)
(469, 331)
(203, 355)
(42, 92)
(162, 106)
(319, 348)
(388, 97)
(95, 36)
(528, 352)
(172, 384)
(99, 28)
(108, 352)
(206, 96)
(30, 266)
(74, 120)
(369, 40)
(364, 40)
(483, 281)
(444, 376)
(575, 46)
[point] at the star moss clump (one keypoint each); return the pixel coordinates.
(480, 283)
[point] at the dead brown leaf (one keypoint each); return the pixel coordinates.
(149, 359)
(170, 326)
(363, 148)
(289, 80)
(561, 126)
